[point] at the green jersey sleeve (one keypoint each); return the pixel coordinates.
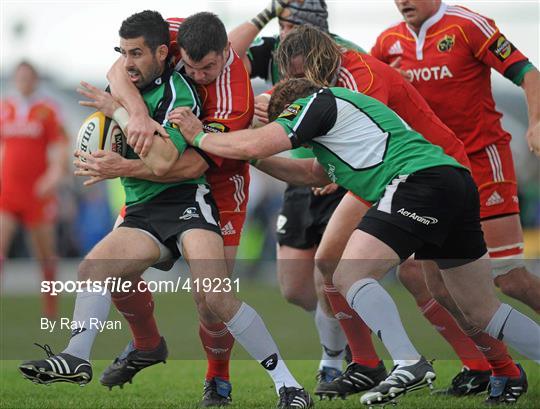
(307, 118)
(182, 95)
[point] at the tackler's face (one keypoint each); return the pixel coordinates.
(206, 70)
(141, 64)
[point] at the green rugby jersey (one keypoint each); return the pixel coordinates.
(361, 143)
(168, 91)
(263, 65)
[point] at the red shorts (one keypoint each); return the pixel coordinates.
(231, 196)
(494, 174)
(29, 210)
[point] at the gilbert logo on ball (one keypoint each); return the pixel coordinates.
(98, 132)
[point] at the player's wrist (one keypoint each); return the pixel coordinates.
(199, 138)
(121, 117)
(274, 9)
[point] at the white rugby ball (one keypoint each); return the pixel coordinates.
(98, 132)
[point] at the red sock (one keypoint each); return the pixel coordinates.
(447, 326)
(357, 332)
(50, 302)
(217, 342)
(138, 310)
(496, 353)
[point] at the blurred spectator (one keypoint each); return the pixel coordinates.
(33, 150)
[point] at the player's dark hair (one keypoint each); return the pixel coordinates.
(321, 54)
(202, 33)
(287, 92)
(147, 24)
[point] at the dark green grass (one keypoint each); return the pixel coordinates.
(178, 384)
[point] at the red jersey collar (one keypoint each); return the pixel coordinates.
(421, 37)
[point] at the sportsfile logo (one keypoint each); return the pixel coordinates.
(427, 220)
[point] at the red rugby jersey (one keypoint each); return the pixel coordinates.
(227, 105)
(365, 74)
(449, 62)
(28, 126)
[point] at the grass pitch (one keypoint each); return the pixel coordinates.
(178, 384)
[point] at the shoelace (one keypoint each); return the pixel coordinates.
(46, 348)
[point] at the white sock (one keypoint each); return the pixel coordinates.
(248, 328)
(516, 330)
(332, 338)
(91, 309)
(375, 306)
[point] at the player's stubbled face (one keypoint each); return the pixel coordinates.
(206, 70)
(415, 12)
(140, 62)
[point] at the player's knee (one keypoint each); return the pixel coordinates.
(86, 269)
(475, 317)
(513, 283)
(220, 304)
(298, 296)
(412, 278)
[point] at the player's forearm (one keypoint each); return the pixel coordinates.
(242, 37)
(237, 145)
(161, 157)
(246, 144)
(293, 171)
(531, 85)
(123, 90)
(190, 165)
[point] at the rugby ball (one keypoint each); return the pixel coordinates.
(98, 132)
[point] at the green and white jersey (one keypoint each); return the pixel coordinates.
(361, 143)
(168, 91)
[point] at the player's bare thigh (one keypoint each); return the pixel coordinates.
(124, 252)
(203, 250)
(502, 231)
(365, 256)
(341, 225)
(295, 275)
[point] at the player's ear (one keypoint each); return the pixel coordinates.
(226, 50)
(161, 52)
